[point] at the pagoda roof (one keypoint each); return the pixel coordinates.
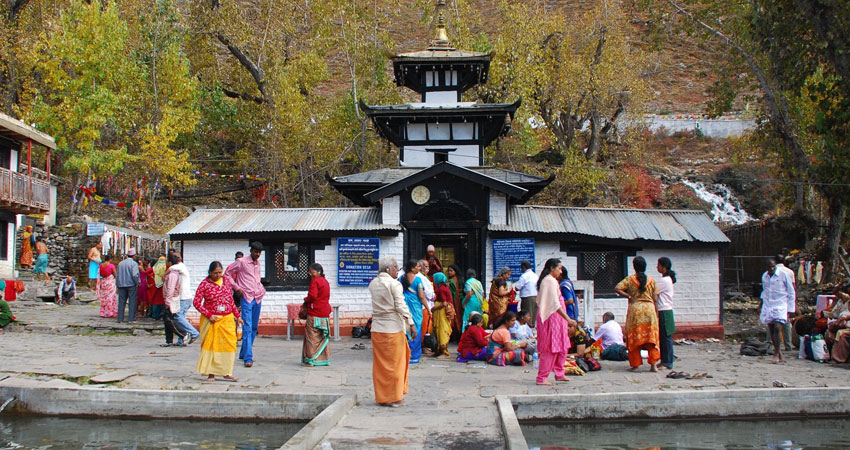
(446, 109)
(357, 186)
(442, 55)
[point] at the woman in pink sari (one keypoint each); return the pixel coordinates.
(107, 292)
(553, 339)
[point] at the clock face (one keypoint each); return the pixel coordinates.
(420, 195)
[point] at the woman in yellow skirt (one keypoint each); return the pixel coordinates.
(214, 300)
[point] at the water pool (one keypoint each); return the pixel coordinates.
(811, 433)
(33, 432)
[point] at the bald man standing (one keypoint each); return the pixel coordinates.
(434, 264)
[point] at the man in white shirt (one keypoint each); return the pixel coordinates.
(777, 301)
(527, 288)
(610, 337)
(786, 329)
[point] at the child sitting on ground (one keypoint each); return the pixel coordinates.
(522, 332)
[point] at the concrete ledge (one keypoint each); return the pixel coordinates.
(514, 439)
(683, 404)
(311, 434)
(129, 403)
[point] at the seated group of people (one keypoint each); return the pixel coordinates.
(512, 340)
(834, 324)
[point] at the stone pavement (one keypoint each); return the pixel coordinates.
(450, 405)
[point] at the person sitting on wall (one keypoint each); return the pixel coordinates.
(838, 329)
(66, 291)
(609, 339)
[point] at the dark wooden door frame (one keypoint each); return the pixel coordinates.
(476, 233)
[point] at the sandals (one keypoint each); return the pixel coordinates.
(359, 346)
(677, 375)
(166, 345)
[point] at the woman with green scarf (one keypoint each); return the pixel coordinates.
(474, 299)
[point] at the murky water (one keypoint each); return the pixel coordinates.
(816, 433)
(27, 432)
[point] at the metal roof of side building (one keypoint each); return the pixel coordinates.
(210, 222)
(669, 226)
(15, 129)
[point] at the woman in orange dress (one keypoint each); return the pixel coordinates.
(642, 317)
(27, 243)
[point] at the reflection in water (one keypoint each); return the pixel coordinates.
(23, 433)
(772, 434)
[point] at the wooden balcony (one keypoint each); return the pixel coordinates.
(23, 194)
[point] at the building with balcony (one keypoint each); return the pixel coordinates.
(24, 189)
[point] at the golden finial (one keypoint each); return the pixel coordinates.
(441, 38)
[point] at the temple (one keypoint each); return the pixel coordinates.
(442, 193)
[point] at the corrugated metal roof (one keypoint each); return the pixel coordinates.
(628, 224)
(15, 129)
(281, 219)
(391, 175)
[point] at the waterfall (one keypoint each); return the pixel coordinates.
(725, 207)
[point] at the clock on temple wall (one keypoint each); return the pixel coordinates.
(420, 195)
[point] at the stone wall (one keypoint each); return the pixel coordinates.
(67, 246)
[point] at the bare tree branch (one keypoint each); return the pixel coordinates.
(256, 72)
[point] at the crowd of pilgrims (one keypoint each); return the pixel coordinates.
(417, 311)
(536, 318)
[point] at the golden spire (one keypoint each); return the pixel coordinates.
(441, 38)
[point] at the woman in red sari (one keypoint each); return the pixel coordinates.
(155, 297)
(317, 332)
(642, 317)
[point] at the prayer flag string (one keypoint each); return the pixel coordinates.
(241, 176)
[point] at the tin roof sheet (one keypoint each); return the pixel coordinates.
(281, 219)
(628, 224)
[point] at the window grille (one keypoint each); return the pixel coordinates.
(606, 269)
(289, 265)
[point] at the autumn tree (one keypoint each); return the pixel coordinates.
(796, 52)
(82, 93)
(165, 103)
(572, 73)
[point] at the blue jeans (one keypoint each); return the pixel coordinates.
(183, 323)
(666, 343)
(250, 320)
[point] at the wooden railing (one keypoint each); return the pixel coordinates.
(22, 193)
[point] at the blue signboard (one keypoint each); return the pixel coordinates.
(95, 229)
(510, 253)
(358, 260)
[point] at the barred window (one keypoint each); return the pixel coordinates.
(606, 269)
(288, 265)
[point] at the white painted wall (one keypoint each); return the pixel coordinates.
(7, 267)
(697, 291)
(697, 298)
(391, 210)
(418, 156)
(498, 208)
(355, 301)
